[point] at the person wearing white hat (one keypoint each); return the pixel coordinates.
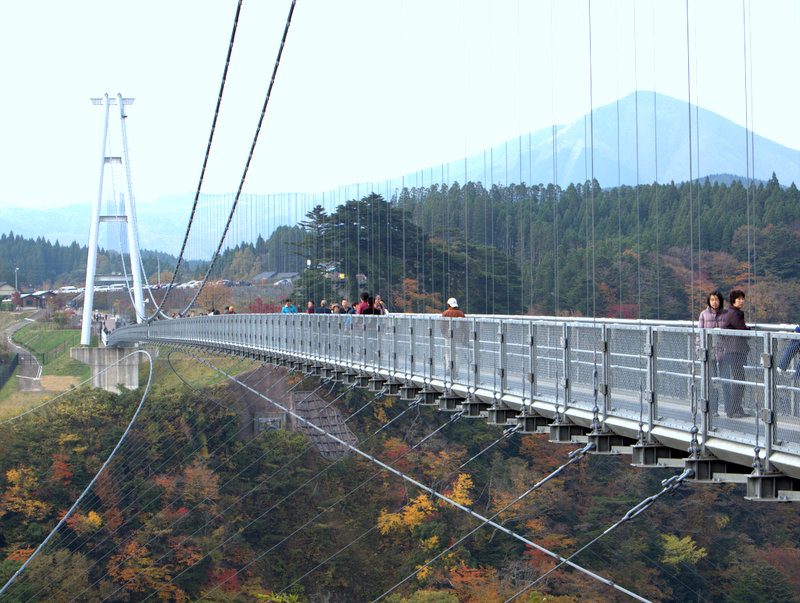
(450, 331)
(452, 309)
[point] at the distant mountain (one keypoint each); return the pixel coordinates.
(161, 225)
(720, 153)
(721, 149)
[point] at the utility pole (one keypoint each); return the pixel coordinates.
(126, 216)
(16, 281)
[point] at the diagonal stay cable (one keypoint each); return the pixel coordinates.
(155, 499)
(91, 483)
(129, 455)
(366, 533)
(127, 494)
(332, 505)
(255, 488)
(164, 460)
(442, 496)
(205, 161)
(669, 485)
(574, 457)
(249, 159)
(71, 544)
(310, 480)
(72, 389)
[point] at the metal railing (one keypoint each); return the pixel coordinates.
(657, 376)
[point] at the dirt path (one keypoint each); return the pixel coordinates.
(30, 371)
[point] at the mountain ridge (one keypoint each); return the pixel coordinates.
(719, 148)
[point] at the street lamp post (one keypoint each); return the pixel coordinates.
(16, 280)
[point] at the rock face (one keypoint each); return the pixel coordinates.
(263, 415)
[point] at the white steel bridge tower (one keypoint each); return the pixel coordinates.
(124, 211)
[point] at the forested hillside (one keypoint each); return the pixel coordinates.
(628, 251)
(193, 503)
(586, 251)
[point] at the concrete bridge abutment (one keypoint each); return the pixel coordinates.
(125, 373)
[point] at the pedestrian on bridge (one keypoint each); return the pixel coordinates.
(711, 318)
(310, 309)
(380, 306)
(785, 402)
(364, 304)
(459, 335)
(735, 356)
(288, 307)
(452, 309)
(323, 307)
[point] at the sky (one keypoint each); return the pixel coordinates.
(366, 90)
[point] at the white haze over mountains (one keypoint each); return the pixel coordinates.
(721, 150)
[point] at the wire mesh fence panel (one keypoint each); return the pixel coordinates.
(585, 362)
(548, 361)
(675, 369)
(738, 383)
(372, 342)
(488, 354)
(786, 397)
(627, 370)
(440, 348)
(515, 362)
(406, 359)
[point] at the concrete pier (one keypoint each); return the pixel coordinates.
(125, 373)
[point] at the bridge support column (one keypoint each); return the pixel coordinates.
(125, 373)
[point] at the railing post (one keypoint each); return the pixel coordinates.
(650, 385)
(531, 376)
(411, 356)
(706, 386)
(377, 352)
(475, 351)
(768, 414)
(501, 369)
(431, 350)
(603, 386)
(565, 384)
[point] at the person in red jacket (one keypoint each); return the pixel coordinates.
(452, 309)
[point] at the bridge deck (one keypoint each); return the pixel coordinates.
(646, 383)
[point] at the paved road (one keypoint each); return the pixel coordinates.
(29, 368)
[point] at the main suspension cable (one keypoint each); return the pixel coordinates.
(205, 161)
(249, 159)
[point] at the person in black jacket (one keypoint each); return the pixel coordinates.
(735, 356)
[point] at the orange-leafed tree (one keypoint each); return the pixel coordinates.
(20, 495)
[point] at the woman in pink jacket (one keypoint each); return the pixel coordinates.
(711, 318)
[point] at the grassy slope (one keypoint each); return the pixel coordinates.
(41, 338)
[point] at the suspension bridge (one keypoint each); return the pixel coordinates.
(661, 392)
(626, 387)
